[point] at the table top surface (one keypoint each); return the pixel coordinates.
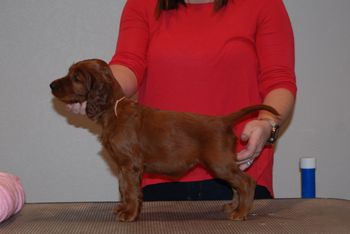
(267, 216)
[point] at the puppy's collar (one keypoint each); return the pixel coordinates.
(116, 105)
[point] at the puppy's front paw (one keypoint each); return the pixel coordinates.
(126, 213)
(119, 208)
(126, 216)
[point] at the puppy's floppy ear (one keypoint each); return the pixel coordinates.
(97, 100)
(107, 74)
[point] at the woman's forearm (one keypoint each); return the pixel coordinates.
(126, 78)
(283, 101)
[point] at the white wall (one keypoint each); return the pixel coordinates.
(321, 124)
(56, 154)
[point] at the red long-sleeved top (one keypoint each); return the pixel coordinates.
(196, 60)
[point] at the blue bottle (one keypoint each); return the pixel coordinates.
(308, 177)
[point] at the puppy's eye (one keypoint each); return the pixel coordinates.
(75, 77)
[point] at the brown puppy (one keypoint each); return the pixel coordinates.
(141, 139)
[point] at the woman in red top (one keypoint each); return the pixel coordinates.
(210, 57)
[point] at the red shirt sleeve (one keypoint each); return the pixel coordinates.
(133, 38)
(275, 48)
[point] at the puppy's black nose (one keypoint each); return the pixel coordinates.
(53, 86)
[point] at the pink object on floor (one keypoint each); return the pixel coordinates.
(11, 195)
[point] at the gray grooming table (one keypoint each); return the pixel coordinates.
(267, 216)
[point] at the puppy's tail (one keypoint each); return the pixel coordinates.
(233, 118)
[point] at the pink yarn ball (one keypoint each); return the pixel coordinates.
(11, 195)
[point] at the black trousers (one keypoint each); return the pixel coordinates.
(196, 191)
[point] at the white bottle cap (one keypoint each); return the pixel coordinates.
(307, 163)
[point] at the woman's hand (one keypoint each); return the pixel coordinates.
(256, 133)
(77, 108)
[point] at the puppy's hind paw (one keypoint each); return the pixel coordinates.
(229, 208)
(236, 216)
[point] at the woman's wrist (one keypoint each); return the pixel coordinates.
(273, 129)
